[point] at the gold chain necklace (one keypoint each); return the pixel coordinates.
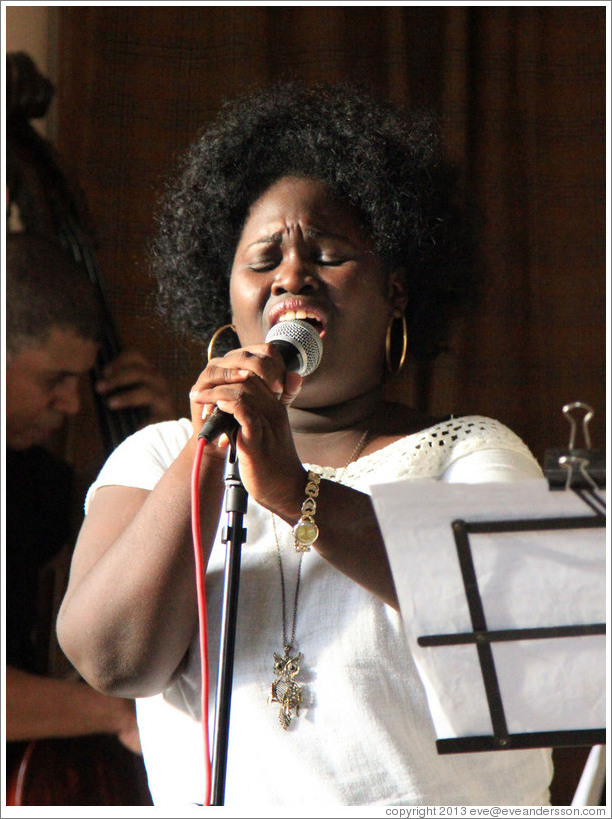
(284, 689)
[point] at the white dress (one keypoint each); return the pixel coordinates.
(364, 735)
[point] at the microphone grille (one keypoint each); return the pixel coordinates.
(304, 338)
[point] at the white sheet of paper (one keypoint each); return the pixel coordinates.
(526, 579)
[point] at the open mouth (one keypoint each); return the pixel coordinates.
(304, 315)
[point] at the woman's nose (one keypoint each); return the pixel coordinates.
(295, 274)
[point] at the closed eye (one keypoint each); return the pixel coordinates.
(331, 262)
(262, 268)
(264, 264)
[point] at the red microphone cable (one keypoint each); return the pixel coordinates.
(201, 598)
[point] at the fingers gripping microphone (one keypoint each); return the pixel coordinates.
(300, 347)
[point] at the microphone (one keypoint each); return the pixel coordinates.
(300, 347)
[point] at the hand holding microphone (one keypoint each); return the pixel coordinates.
(301, 349)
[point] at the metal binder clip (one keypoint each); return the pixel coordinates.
(568, 462)
(575, 467)
(567, 408)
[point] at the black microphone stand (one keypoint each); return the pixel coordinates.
(234, 535)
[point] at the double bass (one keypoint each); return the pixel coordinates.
(95, 769)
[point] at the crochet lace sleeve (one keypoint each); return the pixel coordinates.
(445, 451)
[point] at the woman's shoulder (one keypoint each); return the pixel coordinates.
(419, 430)
(165, 432)
(142, 458)
(463, 432)
(427, 450)
(161, 442)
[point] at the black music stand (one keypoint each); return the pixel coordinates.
(484, 638)
(581, 474)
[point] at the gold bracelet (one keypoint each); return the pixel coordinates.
(306, 530)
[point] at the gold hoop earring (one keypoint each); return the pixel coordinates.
(390, 368)
(216, 335)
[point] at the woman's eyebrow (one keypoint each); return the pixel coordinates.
(275, 238)
(310, 233)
